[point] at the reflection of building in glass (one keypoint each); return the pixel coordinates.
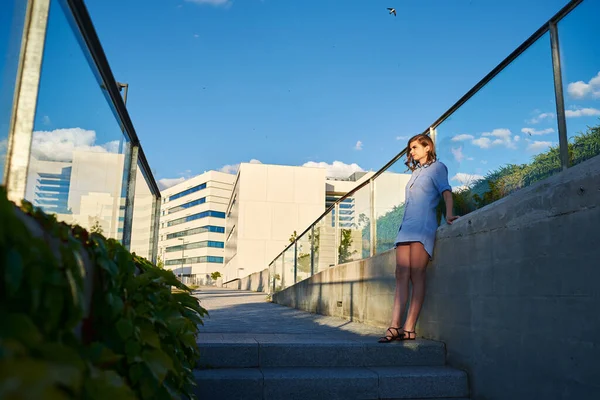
(85, 191)
(192, 225)
(52, 191)
(142, 227)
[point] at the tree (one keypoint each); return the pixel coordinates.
(215, 275)
(96, 227)
(160, 263)
(344, 253)
(293, 237)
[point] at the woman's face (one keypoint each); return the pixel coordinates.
(419, 152)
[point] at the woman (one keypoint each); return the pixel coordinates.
(416, 236)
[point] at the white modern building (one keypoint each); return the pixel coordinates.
(270, 202)
(192, 226)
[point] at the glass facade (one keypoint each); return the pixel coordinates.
(186, 192)
(195, 260)
(193, 217)
(195, 231)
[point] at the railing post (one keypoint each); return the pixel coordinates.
(560, 100)
(130, 196)
(25, 99)
(373, 225)
(312, 250)
(295, 261)
(154, 227)
(336, 225)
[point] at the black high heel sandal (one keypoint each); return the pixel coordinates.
(406, 335)
(391, 337)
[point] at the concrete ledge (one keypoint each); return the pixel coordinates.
(256, 282)
(421, 382)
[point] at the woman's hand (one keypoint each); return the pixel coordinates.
(451, 218)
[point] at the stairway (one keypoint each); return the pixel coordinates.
(270, 366)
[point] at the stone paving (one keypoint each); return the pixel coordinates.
(236, 313)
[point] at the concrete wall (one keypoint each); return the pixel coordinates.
(513, 291)
(257, 282)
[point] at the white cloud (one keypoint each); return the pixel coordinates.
(166, 183)
(458, 154)
(46, 120)
(516, 138)
(503, 137)
(466, 179)
(196, 35)
(402, 137)
(533, 132)
(215, 3)
(233, 168)
(581, 89)
(484, 143)
(358, 145)
(538, 145)
(582, 112)
(541, 117)
(337, 169)
(59, 144)
(464, 136)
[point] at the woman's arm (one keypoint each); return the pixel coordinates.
(449, 207)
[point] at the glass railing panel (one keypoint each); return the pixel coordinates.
(278, 275)
(79, 153)
(505, 137)
(354, 226)
(303, 257)
(287, 279)
(143, 218)
(324, 242)
(12, 19)
(390, 195)
(578, 34)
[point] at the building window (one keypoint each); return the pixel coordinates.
(193, 217)
(188, 191)
(195, 260)
(196, 245)
(195, 231)
(187, 205)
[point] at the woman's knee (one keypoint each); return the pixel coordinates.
(402, 272)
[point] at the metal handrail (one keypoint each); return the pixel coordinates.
(86, 28)
(467, 96)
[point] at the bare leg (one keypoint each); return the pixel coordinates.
(402, 276)
(418, 264)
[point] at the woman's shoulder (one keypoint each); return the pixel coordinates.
(438, 165)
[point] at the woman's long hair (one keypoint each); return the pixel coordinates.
(424, 140)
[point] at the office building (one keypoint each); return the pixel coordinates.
(192, 226)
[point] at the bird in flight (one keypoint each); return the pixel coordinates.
(392, 11)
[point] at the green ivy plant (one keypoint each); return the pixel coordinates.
(115, 330)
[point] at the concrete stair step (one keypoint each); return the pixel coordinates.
(415, 382)
(231, 351)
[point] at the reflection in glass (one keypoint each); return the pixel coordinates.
(278, 275)
(324, 243)
(505, 137)
(78, 164)
(12, 18)
(303, 257)
(287, 279)
(143, 217)
(580, 65)
(354, 227)
(390, 194)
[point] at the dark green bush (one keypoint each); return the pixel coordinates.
(133, 338)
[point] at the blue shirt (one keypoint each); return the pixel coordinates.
(423, 193)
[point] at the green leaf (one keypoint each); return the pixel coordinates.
(107, 385)
(20, 327)
(150, 337)
(158, 362)
(14, 271)
(125, 328)
(103, 356)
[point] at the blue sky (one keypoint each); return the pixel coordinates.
(215, 83)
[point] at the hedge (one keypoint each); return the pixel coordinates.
(84, 318)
